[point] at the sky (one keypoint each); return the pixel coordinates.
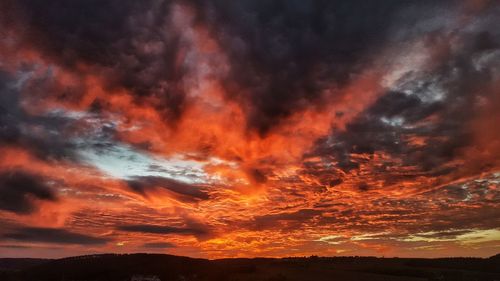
(250, 128)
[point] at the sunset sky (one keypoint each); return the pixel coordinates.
(250, 128)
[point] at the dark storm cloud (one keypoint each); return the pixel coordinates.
(50, 135)
(18, 189)
(184, 191)
(158, 245)
(282, 54)
(37, 134)
(196, 230)
(112, 35)
(81, 30)
(52, 235)
(379, 129)
(437, 108)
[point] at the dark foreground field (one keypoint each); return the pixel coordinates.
(152, 267)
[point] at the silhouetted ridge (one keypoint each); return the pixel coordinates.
(124, 267)
(18, 264)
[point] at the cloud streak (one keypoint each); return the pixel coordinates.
(18, 191)
(52, 236)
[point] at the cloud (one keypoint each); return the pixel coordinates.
(284, 221)
(123, 42)
(183, 191)
(19, 189)
(158, 245)
(282, 61)
(43, 135)
(196, 230)
(427, 121)
(271, 123)
(444, 234)
(285, 55)
(15, 246)
(52, 235)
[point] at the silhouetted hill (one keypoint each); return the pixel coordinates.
(17, 264)
(495, 257)
(112, 267)
(117, 267)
